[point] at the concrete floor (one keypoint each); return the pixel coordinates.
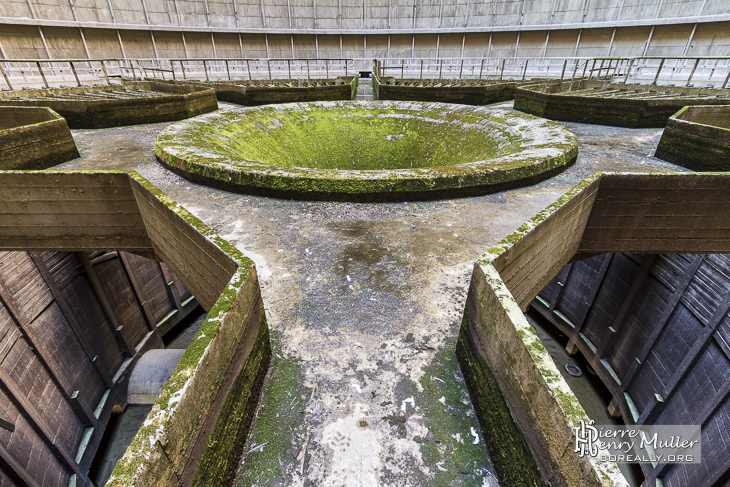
(364, 304)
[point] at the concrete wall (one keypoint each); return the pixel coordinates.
(34, 138)
(375, 28)
(344, 15)
(197, 427)
(672, 213)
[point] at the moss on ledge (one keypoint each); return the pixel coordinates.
(366, 151)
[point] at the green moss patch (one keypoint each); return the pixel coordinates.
(328, 150)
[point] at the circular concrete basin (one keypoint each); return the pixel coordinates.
(364, 151)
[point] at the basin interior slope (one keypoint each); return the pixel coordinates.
(332, 150)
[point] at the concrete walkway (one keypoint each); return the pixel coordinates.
(364, 303)
(365, 89)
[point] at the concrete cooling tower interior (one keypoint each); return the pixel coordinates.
(387, 243)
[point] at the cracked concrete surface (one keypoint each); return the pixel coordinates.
(364, 302)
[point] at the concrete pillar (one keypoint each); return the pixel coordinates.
(263, 23)
(610, 44)
(577, 43)
(45, 44)
(121, 44)
(185, 44)
(83, 41)
(154, 44)
(689, 41)
(149, 375)
(648, 41)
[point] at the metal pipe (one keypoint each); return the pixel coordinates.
(656, 78)
(693, 71)
(42, 75)
(5, 75)
(73, 70)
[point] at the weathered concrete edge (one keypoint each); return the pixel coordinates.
(540, 401)
(230, 92)
(694, 145)
(163, 446)
(387, 185)
(546, 99)
(95, 114)
(50, 140)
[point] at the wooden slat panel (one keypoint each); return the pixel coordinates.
(669, 267)
(24, 283)
(24, 450)
(76, 372)
(205, 269)
(84, 305)
(39, 429)
(22, 367)
(123, 302)
(152, 284)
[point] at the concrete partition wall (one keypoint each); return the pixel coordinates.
(697, 138)
(197, 427)
(504, 346)
(606, 103)
(607, 213)
(34, 138)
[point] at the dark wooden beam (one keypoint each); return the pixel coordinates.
(597, 283)
(662, 321)
(620, 317)
(83, 412)
(32, 415)
(562, 278)
(704, 416)
(98, 289)
(655, 408)
(137, 288)
(167, 275)
(76, 327)
(15, 470)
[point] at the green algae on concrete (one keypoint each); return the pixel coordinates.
(279, 427)
(132, 102)
(366, 150)
(511, 457)
(34, 138)
(496, 342)
(195, 432)
(617, 104)
(698, 138)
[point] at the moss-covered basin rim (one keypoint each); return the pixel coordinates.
(467, 146)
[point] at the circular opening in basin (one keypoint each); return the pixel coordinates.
(365, 150)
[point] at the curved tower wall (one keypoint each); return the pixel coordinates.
(37, 29)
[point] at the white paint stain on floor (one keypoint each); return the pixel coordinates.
(355, 450)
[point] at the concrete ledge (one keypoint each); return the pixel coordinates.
(467, 92)
(238, 150)
(132, 102)
(34, 138)
(605, 103)
(698, 138)
(606, 213)
(196, 429)
(265, 92)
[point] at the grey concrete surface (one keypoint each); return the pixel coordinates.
(364, 303)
